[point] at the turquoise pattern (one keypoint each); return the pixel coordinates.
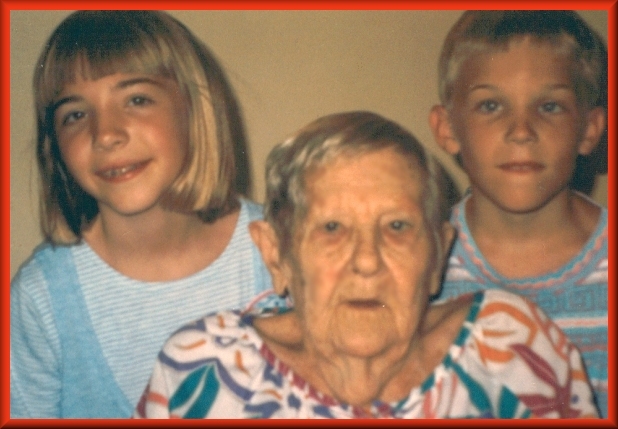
(205, 384)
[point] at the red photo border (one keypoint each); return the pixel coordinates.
(6, 6)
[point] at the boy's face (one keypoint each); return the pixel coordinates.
(518, 126)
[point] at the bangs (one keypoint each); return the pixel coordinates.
(109, 43)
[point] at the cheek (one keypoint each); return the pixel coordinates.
(325, 262)
(473, 145)
(322, 272)
(411, 286)
(181, 134)
(320, 279)
(75, 158)
(179, 126)
(412, 275)
(473, 159)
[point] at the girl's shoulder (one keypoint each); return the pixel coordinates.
(47, 260)
(253, 209)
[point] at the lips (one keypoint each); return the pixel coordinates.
(521, 167)
(365, 304)
(122, 172)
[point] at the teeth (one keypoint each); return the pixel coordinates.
(118, 171)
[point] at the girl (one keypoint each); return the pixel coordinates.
(137, 135)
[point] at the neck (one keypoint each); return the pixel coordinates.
(483, 216)
(156, 232)
(361, 380)
(388, 375)
(521, 245)
(392, 374)
(161, 245)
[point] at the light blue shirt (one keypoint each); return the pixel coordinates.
(84, 337)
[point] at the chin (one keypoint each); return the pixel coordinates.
(363, 346)
(523, 208)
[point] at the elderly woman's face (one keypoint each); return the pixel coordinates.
(365, 264)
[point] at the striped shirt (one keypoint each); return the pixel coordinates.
(574, 296)
(78, 325)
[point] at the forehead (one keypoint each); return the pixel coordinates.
(522, 57)
(384, 172)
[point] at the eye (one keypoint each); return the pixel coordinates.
(488, 106)
(332, 226)
(399, 225)
(551, 107)
(71, 117)
(140, 100)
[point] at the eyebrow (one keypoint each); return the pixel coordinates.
(551, 87)
(135, 81)
(62, 101)
(120, 85)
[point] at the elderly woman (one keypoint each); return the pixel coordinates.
(356, 235)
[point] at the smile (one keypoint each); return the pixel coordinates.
(121, 173)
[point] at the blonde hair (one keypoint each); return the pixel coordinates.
(347, 133)
(487, 30)
(99, 43)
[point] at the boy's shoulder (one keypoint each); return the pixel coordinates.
(593, 211)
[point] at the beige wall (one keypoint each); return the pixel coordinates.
(287, 67)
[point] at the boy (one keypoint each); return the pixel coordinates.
(522, 96)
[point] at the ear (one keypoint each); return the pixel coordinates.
(447, 236)
(265, 238)
(440, 124)
(595, 125)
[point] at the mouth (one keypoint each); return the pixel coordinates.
(122, 172)
(365, 304)
(521, 167)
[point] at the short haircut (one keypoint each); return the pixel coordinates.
(484, 31)
(487, 30)
(100, 43)
(345, 134)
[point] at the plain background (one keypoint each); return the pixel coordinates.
(287, 68)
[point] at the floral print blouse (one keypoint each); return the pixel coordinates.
(508, 361)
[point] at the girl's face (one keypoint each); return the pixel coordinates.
(123, 137)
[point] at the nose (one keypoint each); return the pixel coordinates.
(366, 259)
(108, 130)
(521, 129)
